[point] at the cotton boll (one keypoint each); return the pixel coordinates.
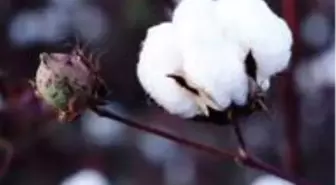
(233, 19)
(222, 76)
(273, 51)
(270, 44)
(211, 60)
(159, 57)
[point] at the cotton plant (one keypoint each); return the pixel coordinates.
(197, 62)
(194, 65)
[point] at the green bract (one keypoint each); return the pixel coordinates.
(58, 95)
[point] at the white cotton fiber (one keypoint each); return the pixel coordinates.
(208, 41)
(272, 46)
(260, 30)
(159, 57)
(211, 60)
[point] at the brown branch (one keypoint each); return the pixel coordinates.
(241, 157)
(249, 160)
(191, 144)
(290, 99)
(239, 135)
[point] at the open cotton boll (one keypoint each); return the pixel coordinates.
(211, 60)
(159, 57)
(272, 48)
(257, 28)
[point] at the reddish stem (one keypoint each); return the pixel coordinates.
(242, 156)
(290, 98)
(240, 138)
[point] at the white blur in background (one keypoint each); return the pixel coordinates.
(86, 177)
(270, 180)
(315, 30)
(317, 73)
(258, 136)
(315, 76)
(31, 26)
(181, 170)
(155, 149)
(102, 131)
(55, 21)
(178, 165)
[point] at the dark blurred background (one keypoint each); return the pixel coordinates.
(98, 151)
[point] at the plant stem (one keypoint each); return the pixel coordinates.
(243, 158)
(290, 99)
(249, 160)
(240, 138)
(191, 144)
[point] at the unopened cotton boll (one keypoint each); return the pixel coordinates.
(158, 58)
(211, 61)
(258, 29)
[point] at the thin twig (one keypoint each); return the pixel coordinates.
(240, 138)
(266, 110)
(191, 144)
(246, 160)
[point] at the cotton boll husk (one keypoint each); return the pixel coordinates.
(257, 28)
(211, 60)
(159, 57)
